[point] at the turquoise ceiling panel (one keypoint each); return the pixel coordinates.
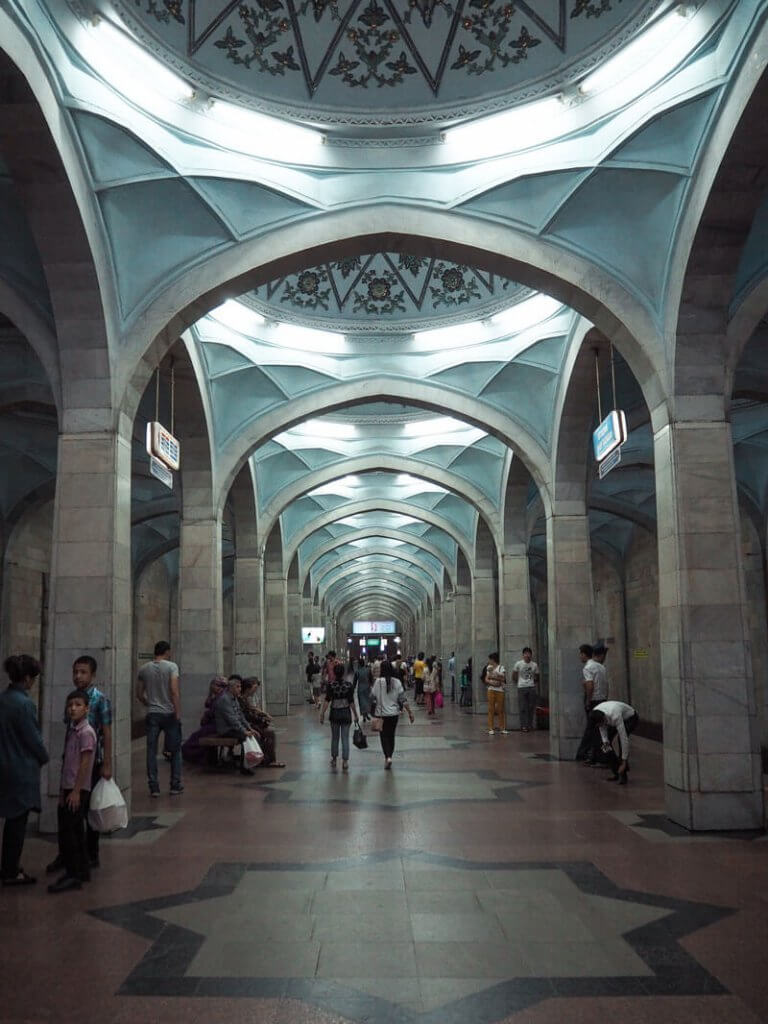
(546, 354)
(527, 393)
(223, 359)
(294, 380)
(276, 472)
(297, 515)
(441, 455)
(20, 264)
(246, 207)
(625, 221)
(156, 229)
(238, 397)
(753, 264)
(428, 500)
(330, 501)
(531, 200)
(317, 458)
(115, 154)
(459, 513)
(672, 139)
(482, 468)
(467, 377)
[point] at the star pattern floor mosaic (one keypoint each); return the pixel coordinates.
(478, 881)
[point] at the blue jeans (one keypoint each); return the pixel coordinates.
(340, 729)
(170, 727)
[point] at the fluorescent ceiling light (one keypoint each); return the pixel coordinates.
(504, 132)
(439, 425)
(126, 65)
(240, 318)
(293, 336)
(451, 337)
(651, 55)
(335, 485)
(527, 313)
(323, 428)
(272, 130)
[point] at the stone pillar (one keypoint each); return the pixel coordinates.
(437, 628)
(571, 623)
(429, 636)
(296, 677)
(448, 644)
(515, 626)
(90, 600)
(249, 585)
(462, 612)
(712, 771)
(275, 637)
(485, 633)
(200, 641)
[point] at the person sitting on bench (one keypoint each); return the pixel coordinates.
(230, 721)
(260, 722)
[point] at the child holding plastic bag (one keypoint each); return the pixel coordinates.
(108, 811)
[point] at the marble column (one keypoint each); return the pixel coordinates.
(275, 636)
(712, 771)
(199, 650)
(90, 601)
(429, 636)
(249, 586)
(485, 633)
(448, 644)
(462, 613)
(296, 677)
(515, 626)
(570, 604)
(437, 627)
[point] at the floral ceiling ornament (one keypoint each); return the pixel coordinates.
(370, 45)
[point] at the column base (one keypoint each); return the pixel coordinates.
(715, 812)
(563, 747)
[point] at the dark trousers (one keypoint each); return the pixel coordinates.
(91, 835)
(612, 757)
(72, 843)
(590, 745)
(387, 734)
(13, 843)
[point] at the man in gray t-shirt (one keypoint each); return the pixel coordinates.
(158, 690)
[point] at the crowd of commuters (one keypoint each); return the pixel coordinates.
(367, 690)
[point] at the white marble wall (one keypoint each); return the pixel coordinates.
(712, 770)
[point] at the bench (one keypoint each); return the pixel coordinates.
(220, 743)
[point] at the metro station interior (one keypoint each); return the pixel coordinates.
(381, 269)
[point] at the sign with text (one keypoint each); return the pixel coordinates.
(610, 435)
(373, 627)
(163, 445)
(160, 472)
(312, 634)
(609, 462)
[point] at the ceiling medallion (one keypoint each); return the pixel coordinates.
(385, 61)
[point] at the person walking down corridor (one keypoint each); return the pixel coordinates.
(429, 683)
(388, 697)
(340, 697)
(496, 682)
(22, 754)
(158, 691)
(363, 684)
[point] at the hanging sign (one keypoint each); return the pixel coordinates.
(609, 462)
(161, 472)
(373, 627)
(610, 435)
(163, 445)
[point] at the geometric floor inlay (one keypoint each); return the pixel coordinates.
(407, 937)
(396, 790)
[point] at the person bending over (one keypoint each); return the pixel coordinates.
(615, 718)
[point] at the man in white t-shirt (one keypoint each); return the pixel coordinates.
(526, 675)
(595, 683)
(496, 682)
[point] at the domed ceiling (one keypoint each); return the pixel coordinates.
(385, 292)
(384, 62)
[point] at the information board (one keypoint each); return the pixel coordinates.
(312, 634)
(611, 434)
(373, 627)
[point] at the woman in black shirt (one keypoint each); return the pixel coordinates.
(340, 696)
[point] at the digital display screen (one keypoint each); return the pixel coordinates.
(373, 627)
(312, 634)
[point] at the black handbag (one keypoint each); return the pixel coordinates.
(359, 738)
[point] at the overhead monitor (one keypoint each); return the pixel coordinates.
(373, 641)
(373, 627)
(312, 634)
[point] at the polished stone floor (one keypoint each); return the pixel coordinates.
(478, 881)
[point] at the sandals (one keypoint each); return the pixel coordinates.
(22, 878)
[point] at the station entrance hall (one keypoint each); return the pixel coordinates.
(383, 511)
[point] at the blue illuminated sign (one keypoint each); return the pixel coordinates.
(611, 434)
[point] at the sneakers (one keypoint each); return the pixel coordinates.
(177, 790)
(490, 732)
(504, 732)
(65, 884)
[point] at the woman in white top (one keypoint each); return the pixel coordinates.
(430, 685)
(388, 698)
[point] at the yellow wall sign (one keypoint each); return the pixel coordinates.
(640, 652)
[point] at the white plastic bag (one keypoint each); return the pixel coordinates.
(252, 751)
(107, 812)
